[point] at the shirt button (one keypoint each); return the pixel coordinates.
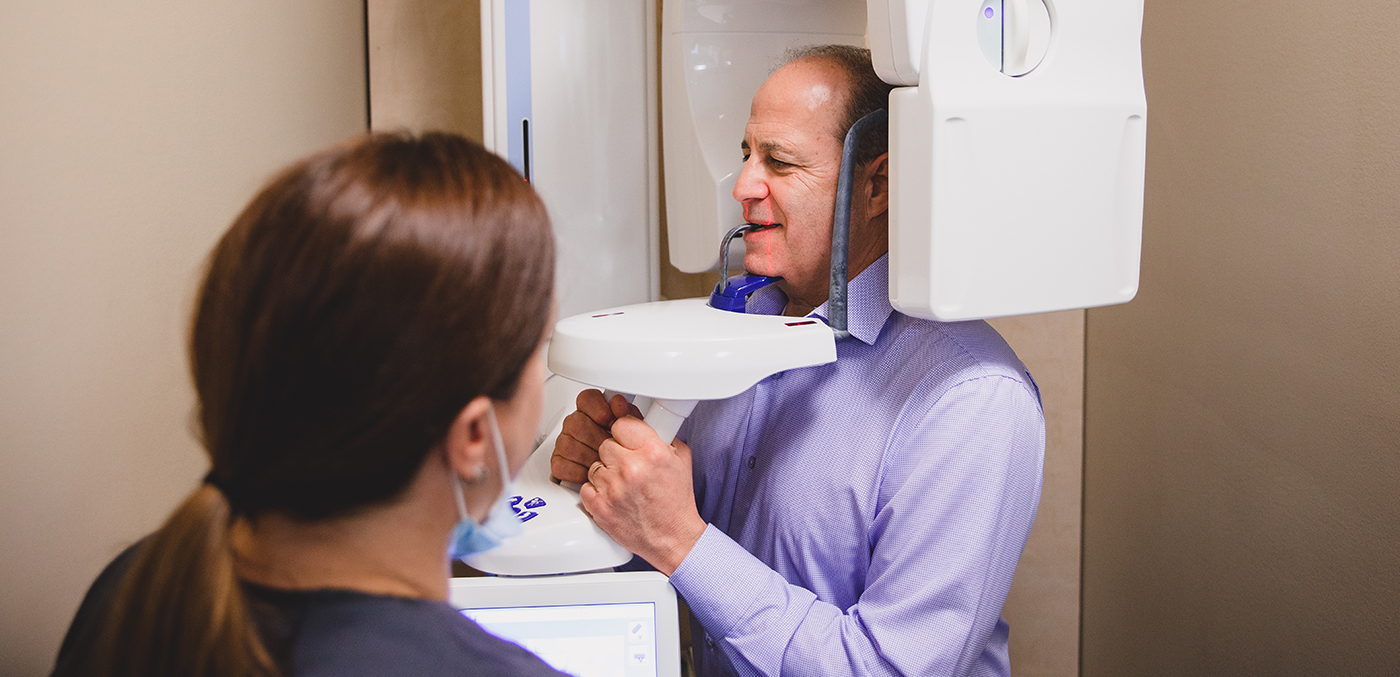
(709, 641)
(752, 461)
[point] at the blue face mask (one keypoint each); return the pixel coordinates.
(470, 537)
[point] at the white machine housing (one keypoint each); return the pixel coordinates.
(1017, 145)
(684, 350)
(1016, 195)
(569, 98)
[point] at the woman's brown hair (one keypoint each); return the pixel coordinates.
(358, 303)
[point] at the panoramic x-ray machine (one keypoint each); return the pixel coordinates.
(1017, 136)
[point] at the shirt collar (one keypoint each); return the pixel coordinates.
(867, 302)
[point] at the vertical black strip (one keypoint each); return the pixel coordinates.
(525, 150)
(1083, 479)
(369, 109)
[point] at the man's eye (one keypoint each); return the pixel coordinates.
(746, 157)
(779, 163)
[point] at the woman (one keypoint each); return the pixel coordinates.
(366, 350)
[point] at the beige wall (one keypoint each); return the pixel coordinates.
(425, 65)
(130, 134)
(1242, 474)
(1043, 606)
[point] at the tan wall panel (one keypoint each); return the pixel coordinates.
(130, 135)
(1043, 606)
(1243, 413)
(425, 65)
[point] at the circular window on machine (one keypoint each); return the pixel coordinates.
(1014, 34)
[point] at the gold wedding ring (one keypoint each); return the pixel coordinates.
(596, 465)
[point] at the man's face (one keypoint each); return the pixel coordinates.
(792, 159)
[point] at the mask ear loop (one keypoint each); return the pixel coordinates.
(500, 446)
(457, 494)
(496, 439)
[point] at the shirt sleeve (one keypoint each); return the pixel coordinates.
(957, 495)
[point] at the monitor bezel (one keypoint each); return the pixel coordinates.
(623, 587)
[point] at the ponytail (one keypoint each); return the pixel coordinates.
(179, 610)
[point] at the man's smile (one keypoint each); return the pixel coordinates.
(754, 235)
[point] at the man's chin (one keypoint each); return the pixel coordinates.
(758, 253)
(755, 265)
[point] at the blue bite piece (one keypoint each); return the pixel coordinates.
(732, 294)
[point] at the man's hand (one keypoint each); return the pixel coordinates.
(639, 491)
(576, 449)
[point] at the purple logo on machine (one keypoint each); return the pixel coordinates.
(530, 506)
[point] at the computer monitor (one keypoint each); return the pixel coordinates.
(617, 624)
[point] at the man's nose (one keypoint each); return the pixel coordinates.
(750, 185)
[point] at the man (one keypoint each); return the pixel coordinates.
(860, 517)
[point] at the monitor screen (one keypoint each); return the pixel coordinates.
(587, 625)
(593, 640)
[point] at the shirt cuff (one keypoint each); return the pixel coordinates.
(722, 583)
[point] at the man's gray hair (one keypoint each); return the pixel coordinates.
(865, 92)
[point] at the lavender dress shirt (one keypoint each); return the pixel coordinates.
(866, 516)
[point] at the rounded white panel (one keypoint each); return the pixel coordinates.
(1018, 195)
(1014, 34)
(897, 39)
(1027, 35)
(684, 350)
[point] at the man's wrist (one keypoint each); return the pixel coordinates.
(670, 558)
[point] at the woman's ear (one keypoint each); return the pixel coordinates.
(469, 439)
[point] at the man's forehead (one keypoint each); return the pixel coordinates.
(804, 95)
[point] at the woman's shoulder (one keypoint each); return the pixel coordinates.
(334, 632)
(87, 623)
(348, 633)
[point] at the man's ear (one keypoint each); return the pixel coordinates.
(879, 201)
(469, 439)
